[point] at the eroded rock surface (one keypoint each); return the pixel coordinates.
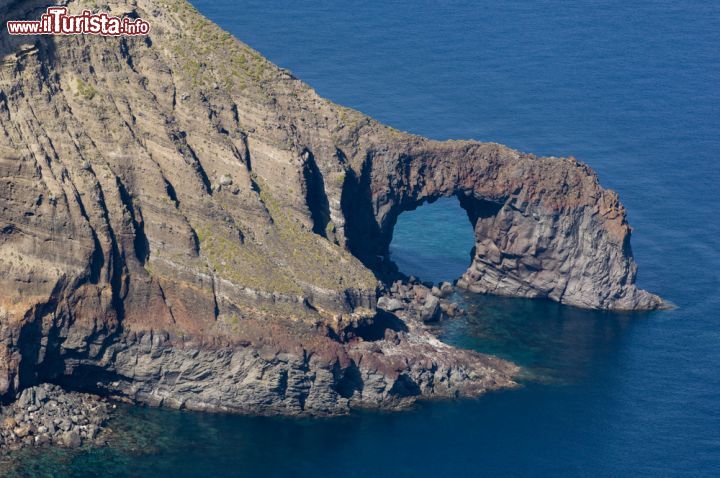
(182, 223)
(544, 227)
(414, 301)
(47, 414)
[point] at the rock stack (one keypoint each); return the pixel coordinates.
(47, 414)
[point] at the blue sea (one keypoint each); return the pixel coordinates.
(630, 87)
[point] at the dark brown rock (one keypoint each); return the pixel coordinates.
(203, 236)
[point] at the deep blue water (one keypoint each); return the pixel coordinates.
(631, 88)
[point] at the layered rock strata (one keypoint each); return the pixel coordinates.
(184, 224)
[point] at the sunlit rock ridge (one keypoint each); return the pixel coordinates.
(184, 224)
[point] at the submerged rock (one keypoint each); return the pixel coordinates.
(47, 414)
(205, 235)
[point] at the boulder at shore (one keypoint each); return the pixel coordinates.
(184, 224)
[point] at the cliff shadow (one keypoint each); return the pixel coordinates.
(315, 196)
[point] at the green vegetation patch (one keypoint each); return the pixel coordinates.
(85, 90)
(244, 264)
(312, 258)
(206, 54)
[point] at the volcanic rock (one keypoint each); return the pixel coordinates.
(184, 224)
(32, 419)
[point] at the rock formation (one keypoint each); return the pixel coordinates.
(184, 224)
(544, 227)
(46, 414)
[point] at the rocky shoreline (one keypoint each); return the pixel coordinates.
(48, 415)
(423, 302)
(210, 236)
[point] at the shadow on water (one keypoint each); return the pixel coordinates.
(558, 346)
(568, 356)
(553, 343)
(619, 395)
(564, 352)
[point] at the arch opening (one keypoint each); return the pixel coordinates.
(435, 241)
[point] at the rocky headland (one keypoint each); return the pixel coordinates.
(184, 224)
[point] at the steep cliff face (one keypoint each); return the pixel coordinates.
(183, 223)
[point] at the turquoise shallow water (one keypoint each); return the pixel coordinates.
(632, 88)
(434, 243)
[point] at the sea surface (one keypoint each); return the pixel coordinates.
(630, 87)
